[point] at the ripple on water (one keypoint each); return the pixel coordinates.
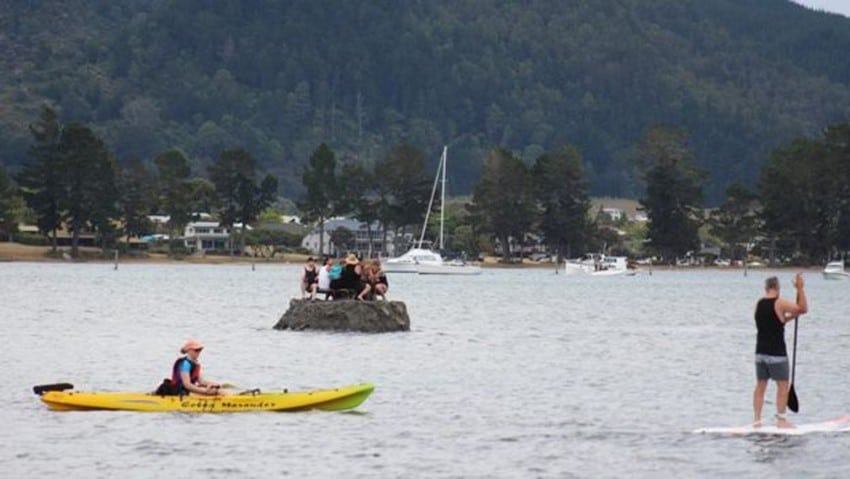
(571, 378)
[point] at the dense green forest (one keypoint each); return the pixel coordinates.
(741, 77)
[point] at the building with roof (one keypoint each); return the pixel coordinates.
(366, 241)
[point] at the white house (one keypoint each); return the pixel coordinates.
(208, 235)
(640, 217)
(365, 242)
(614, 213)
(205, 235)
(201, 235)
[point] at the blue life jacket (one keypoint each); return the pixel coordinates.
(177, 380)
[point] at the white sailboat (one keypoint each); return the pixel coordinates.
(423, 260)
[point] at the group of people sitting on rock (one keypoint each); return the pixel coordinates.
(344, 278)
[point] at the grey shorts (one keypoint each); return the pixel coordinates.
(771, 367)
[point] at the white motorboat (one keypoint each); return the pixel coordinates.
(835, 270)
(599, 265)
(423, 260)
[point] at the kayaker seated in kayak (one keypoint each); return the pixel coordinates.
(186, 372)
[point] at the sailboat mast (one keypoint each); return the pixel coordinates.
(431, 202)
(443, 198)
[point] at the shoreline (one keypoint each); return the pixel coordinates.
(16, 252)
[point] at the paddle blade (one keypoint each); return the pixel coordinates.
(793, 404)
(39, 390)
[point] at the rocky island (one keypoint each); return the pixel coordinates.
(345, 315)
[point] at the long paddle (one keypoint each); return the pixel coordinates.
(793, 403)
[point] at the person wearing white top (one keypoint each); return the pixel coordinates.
(325, 275)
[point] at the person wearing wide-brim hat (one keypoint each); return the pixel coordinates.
(350, 277)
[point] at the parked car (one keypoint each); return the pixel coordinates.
(723, 262)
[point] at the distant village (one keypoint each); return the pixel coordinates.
(205, 235)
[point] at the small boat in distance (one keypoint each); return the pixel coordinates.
(599, 265)
(835, 270)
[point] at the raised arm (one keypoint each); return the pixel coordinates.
(792, 310)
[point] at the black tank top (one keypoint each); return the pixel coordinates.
(349, 279)
(771, 331)
(310, 275)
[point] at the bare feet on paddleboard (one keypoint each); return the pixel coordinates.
(783, 423)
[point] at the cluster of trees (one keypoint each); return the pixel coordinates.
(10, 206)
(804, 192)
(510, 202)
(393, 192)
(72, 180)
(800, 211)
(280, 78)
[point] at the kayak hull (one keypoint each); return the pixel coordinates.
(338, 399)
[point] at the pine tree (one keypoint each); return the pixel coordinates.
(174, 192)
(561, 193)
(240, 198)
(8, 193)
(320, 185)
(503, 197)
(90, 194)
(40, 179)
(673, 197)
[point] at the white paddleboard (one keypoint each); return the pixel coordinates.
(841, 424)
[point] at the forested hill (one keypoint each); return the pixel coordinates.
(278, 78)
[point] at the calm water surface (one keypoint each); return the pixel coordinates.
(515, 373)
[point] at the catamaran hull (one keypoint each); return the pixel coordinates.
(449, 270)
(399, 268)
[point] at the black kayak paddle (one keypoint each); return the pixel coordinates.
(39, 390)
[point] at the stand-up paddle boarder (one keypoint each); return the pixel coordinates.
(772, 312)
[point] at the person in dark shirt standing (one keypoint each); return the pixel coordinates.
(772, 312)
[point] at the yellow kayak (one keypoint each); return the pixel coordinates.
(348, 397)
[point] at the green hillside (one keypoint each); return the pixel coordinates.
(278, 78)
